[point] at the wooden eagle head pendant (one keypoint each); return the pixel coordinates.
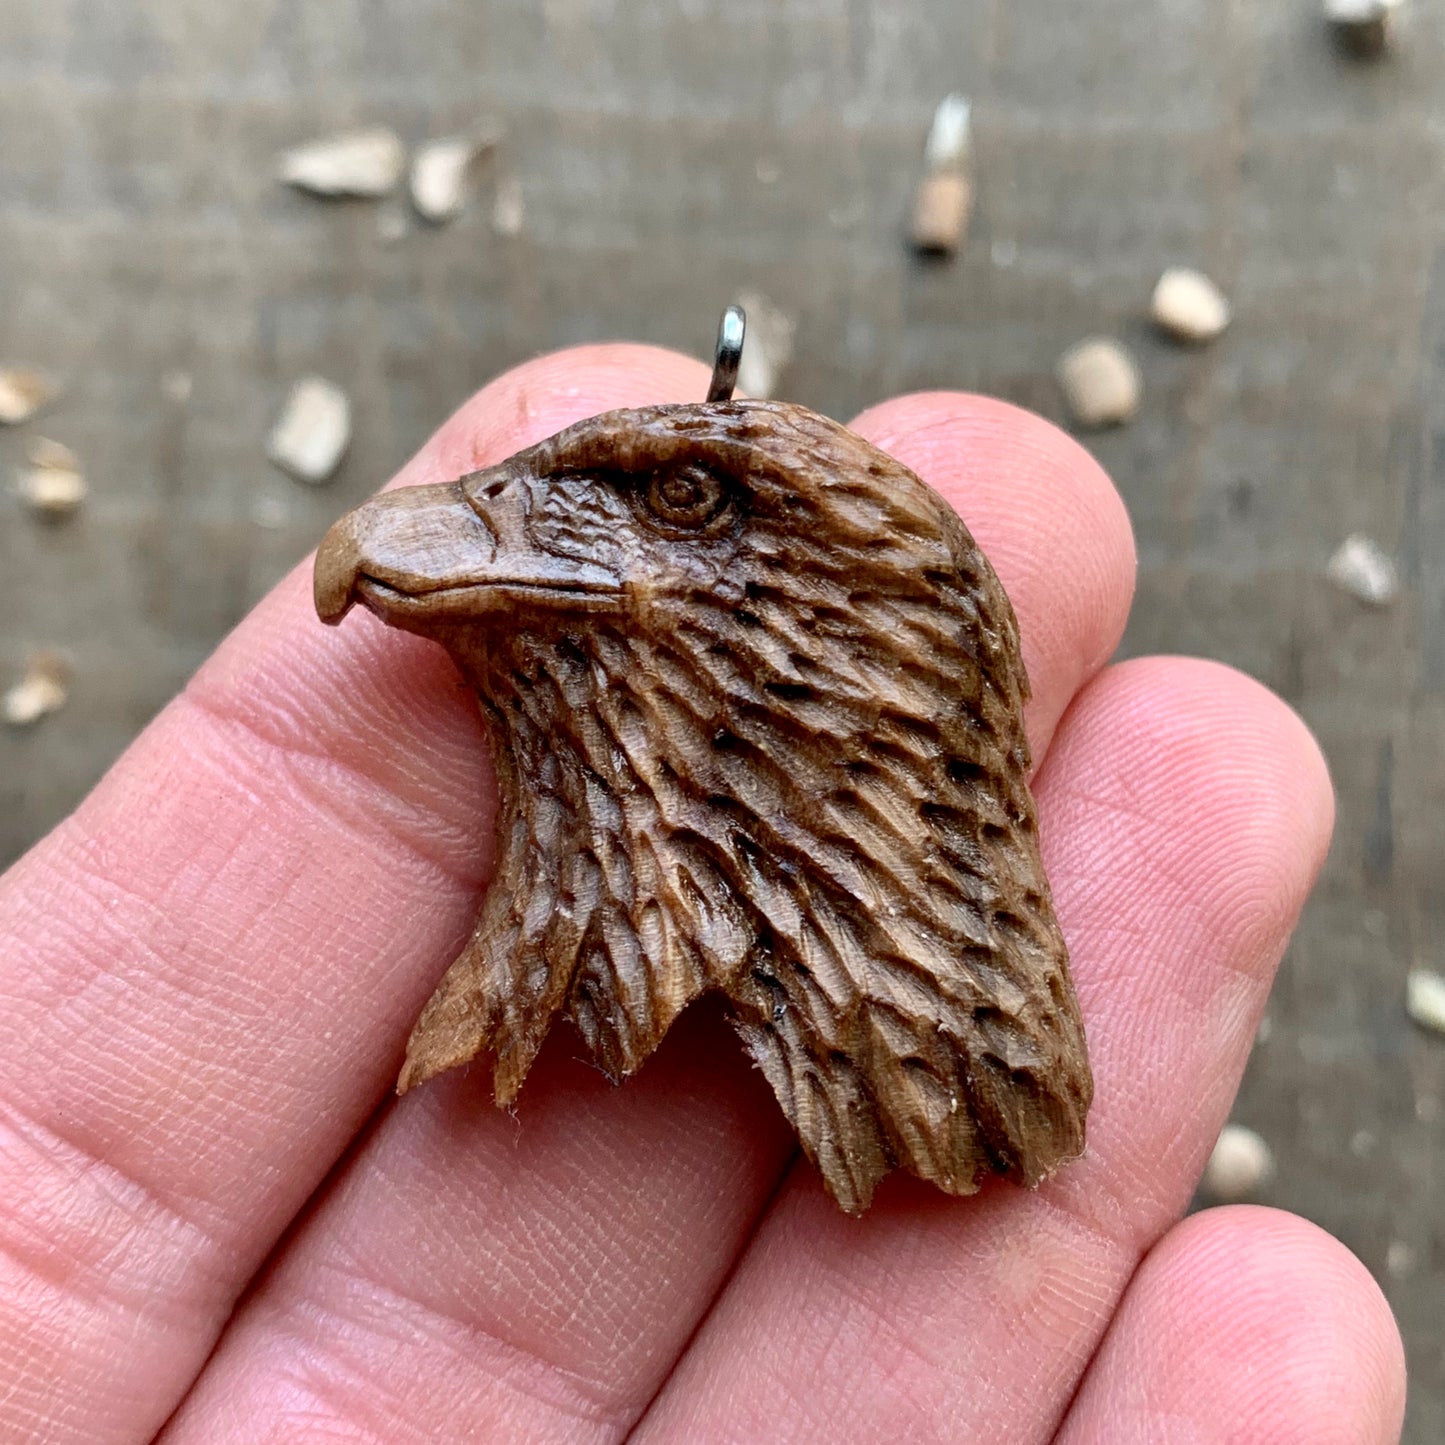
(757, 706)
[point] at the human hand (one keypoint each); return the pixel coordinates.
(210, 970)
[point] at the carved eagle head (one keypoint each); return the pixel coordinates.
(756, 699)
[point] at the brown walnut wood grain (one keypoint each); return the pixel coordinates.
(756, 700)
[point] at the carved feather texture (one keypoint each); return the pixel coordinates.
(782, 758)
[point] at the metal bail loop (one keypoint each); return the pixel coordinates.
(730, 332)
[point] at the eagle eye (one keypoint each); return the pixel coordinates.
(685, 498)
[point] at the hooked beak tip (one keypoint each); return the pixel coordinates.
(334, 582)
(333, 615)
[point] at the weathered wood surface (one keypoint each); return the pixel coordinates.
(141, 233)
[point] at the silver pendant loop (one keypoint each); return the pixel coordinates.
(730, 332)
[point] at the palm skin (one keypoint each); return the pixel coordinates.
(216, 1225)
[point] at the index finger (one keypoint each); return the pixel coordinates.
(208, 970)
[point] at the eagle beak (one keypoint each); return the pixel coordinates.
(420, 556)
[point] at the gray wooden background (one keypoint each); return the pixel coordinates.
(141, 234)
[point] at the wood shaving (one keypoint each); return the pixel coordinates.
(1101, 382)
(313, 432)
(944, 198)
(23, 393)
(43, 690)
(1241, 1164)
(1364, 27)
(364, 163)
(769, 345)
(1189, 306)
(509, 210)
(52, 485)
(1362, 568)
(1425, 999)
(51, 492)
(440, 171)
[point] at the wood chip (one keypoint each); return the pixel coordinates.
(43, 690)
(1425, 999)
(313, 432)
(440, 171)
(769, 345)
(509, 209)
(1240, 1164)
(23, 393)
(1365, 570)
(1189, 306)
(1364, 27)
(52, 485)
(1101, 382)
(944, 198)
(357, 163)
